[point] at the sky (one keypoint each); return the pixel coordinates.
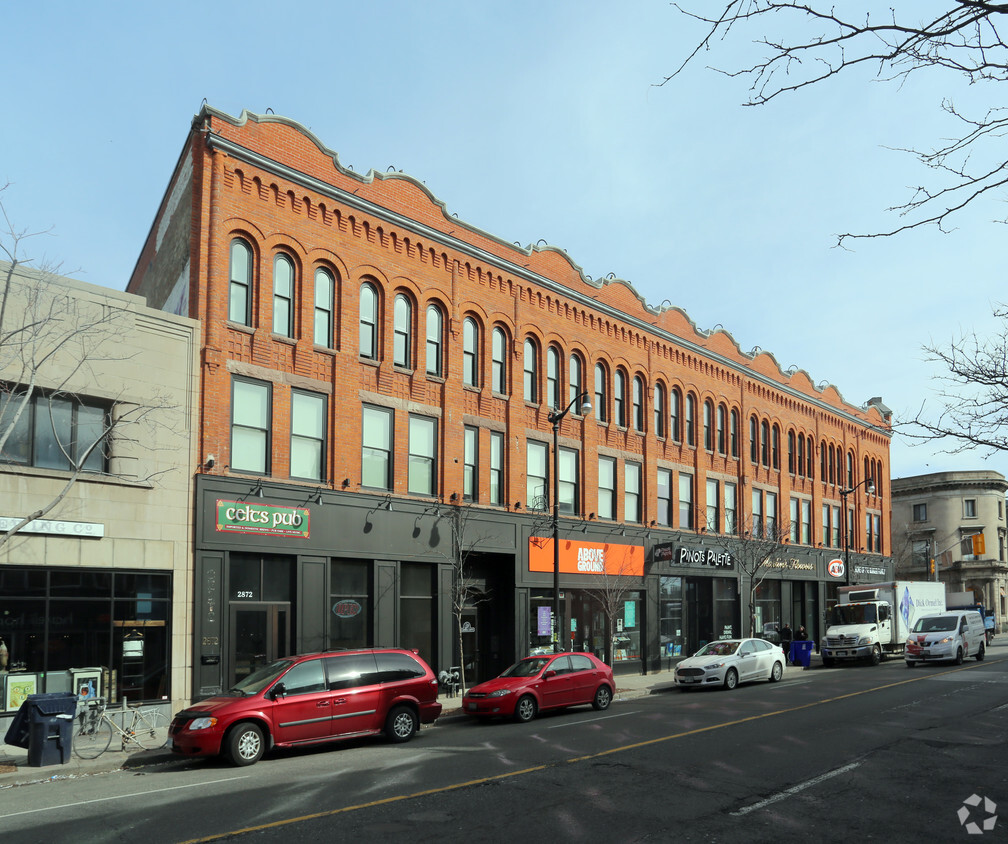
(535, 120)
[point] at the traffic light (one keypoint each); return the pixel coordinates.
(979, 546)
(931, 567)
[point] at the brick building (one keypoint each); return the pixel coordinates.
(377, 373)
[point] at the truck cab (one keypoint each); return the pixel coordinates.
(857, 631)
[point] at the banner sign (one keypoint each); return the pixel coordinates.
(605, 558)
(263, 519)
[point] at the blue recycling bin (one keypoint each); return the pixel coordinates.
(801, 653)
(50, 728)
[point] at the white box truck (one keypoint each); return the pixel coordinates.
(872, 621)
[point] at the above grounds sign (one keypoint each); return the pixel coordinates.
(262, 519)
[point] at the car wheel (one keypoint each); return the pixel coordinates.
(525, 709)
(603, 697)
(980, 654)
(401, 724)
(246, 744)
(776, 672)
(731, 679)
(876, 655)
(959, 656)
(910, 663)
(827, 662)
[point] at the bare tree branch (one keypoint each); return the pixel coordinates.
(822, 43)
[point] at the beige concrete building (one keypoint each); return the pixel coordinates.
(956, 520)
(97, 399)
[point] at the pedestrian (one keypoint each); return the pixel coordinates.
(785, 641)
(802, 635)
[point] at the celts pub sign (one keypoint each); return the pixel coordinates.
(262, 519)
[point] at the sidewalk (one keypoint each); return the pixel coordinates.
(14, 768)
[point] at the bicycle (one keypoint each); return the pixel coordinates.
(147, 729)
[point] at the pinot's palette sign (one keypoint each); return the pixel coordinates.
(262, 519)
(687, 557)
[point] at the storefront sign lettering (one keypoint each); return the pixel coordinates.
(346, 608)
(682, 555)
(245, 517)
(878, 571)
(790, 565)
(91, 530)
(835, 567)
(592, 558)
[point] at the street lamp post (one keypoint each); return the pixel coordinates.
(869, 484)
(555, 416)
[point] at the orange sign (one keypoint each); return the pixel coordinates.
(587, 557)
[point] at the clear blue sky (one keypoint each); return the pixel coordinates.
(531, 120)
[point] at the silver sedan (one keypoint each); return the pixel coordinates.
(728, 662)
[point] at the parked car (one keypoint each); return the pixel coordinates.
(949, 637)
(728, 662)
(537, 683)
(310, 699)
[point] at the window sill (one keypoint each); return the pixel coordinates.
(240, 326)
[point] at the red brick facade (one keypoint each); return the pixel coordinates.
(268, 181)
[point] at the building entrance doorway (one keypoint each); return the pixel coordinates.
(259, 634)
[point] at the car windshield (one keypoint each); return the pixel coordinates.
(724, 648)
(527, 667)
(853, 614)
(259, 680)
(935, 624)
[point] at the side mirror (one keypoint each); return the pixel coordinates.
(279, 690)
(548, 674)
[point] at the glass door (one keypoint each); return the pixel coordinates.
(260, 633)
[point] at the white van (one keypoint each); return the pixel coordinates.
(954, 636)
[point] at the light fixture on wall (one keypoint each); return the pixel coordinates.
(209, 462)
(257, 490)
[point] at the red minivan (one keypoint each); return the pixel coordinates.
(310, 699)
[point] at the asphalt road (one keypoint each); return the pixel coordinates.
(848, 755)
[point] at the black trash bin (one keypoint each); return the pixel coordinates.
(50, 732)
(20, 727)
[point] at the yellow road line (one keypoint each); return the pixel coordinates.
(459, 785)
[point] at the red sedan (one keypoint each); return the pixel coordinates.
(542, 682)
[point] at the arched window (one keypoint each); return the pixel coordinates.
(368, 321)
(810, 460)
(659, 410)
(499, 361)
(576, 382)
(470, 352)
(734, 433)
(638, 403)
(790, 452)
(283, 296)
(765, 442)
(601, 392)
(325, 289)
(754, 440)
(708, 425)
(691, 420)
(619, 398)
(801, 456)
(722, 423)
(531, 380)
(553, 377)
(402, 331)
(240, 289)
(675, 415)
(775, 447)
(435, 341)
(832, 465)
(850, 470)
(822, 460)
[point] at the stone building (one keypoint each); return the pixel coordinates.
(935, 520)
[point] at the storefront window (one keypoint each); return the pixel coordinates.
(767, 607)
(726, 608)
(58, 620)
(670, 623)
(349, 603)
(416, 614)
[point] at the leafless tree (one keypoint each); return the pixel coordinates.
(973, 396)
(467, 590)
(807, 43)
(53, 342)
(615, 582)
(752, 549)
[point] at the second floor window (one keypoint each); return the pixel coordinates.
(730, 508)
(496, 468)
(470, 464)
(713, 506)
(57, 432)
(568, 491)
(920, 512)
(664, 484)
(632, 492)
(376, 448)
(607, 488)
(686, 502)
(422, 456)
(250, 426)
(307, 446)
(536, 476)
